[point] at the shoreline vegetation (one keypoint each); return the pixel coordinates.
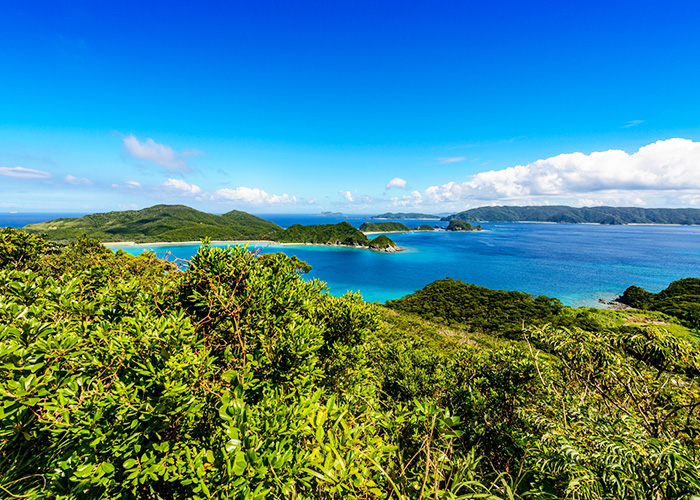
(127, 376)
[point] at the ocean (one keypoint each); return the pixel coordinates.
(576, 263)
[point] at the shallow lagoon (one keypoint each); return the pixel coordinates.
(576, 263)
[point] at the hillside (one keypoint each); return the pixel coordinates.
(383, 227)
(402, 215)
(573, 215)
(158, 223)
(461, 225)
(342, 233)
(126, 377)
(680, 299)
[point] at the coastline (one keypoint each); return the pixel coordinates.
(245, 242)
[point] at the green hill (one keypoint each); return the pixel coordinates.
(680, 299)
(342, 233)
(383, 227)
(402, 215)
(158, 223)
(461, 225)
(573, 215)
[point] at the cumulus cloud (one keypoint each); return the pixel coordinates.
(78, 181)
(396, 182)
(160, 154)
(408, 200)
(253, 196)
(24, 173)
(182, 186)
(347, 195)
(450, 159)
(132, 184)
(612, 176)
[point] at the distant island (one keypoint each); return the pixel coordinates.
(332, 214)
(179, 223)
(573, 215)
(402, 216)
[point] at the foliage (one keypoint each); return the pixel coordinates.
(20, 250)
(328, 234)
(382, 242)
(480, 309)
(681, 299)
(232, 377)
(460, 225)
(158, 223)
(383, 227)
(572, 215)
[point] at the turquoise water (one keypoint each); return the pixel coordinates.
(577, 264)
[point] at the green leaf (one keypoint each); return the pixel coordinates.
(239, 463)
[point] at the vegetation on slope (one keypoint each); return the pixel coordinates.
(383, 242)
(402, 215)
(597, 215)
(383, 227)
(158, 223)
(460, 225)
(479, 309)
(681, 299)
(232, 377)
(330, 234)
(425, 227)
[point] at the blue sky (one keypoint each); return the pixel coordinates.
(360, 107)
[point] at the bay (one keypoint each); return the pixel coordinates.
(576, 263)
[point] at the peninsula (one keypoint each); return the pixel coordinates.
(584, 215)
(179, 223)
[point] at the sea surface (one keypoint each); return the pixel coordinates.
(576, 263)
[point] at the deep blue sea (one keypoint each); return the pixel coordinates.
(576, 263)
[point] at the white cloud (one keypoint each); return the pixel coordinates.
(78, 181)
(254, 196)
(450, 159)
(396, 182)
(632, 123)
(132, 184)
(180, 185)
(160, 154)
(408, 200)
(614, 176)
(24, 173)
(347, 195)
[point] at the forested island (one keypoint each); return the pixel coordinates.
(403, 215)
(333, 234)
(573, 215)
(461, 225)
(177, 223)
(233, 377)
